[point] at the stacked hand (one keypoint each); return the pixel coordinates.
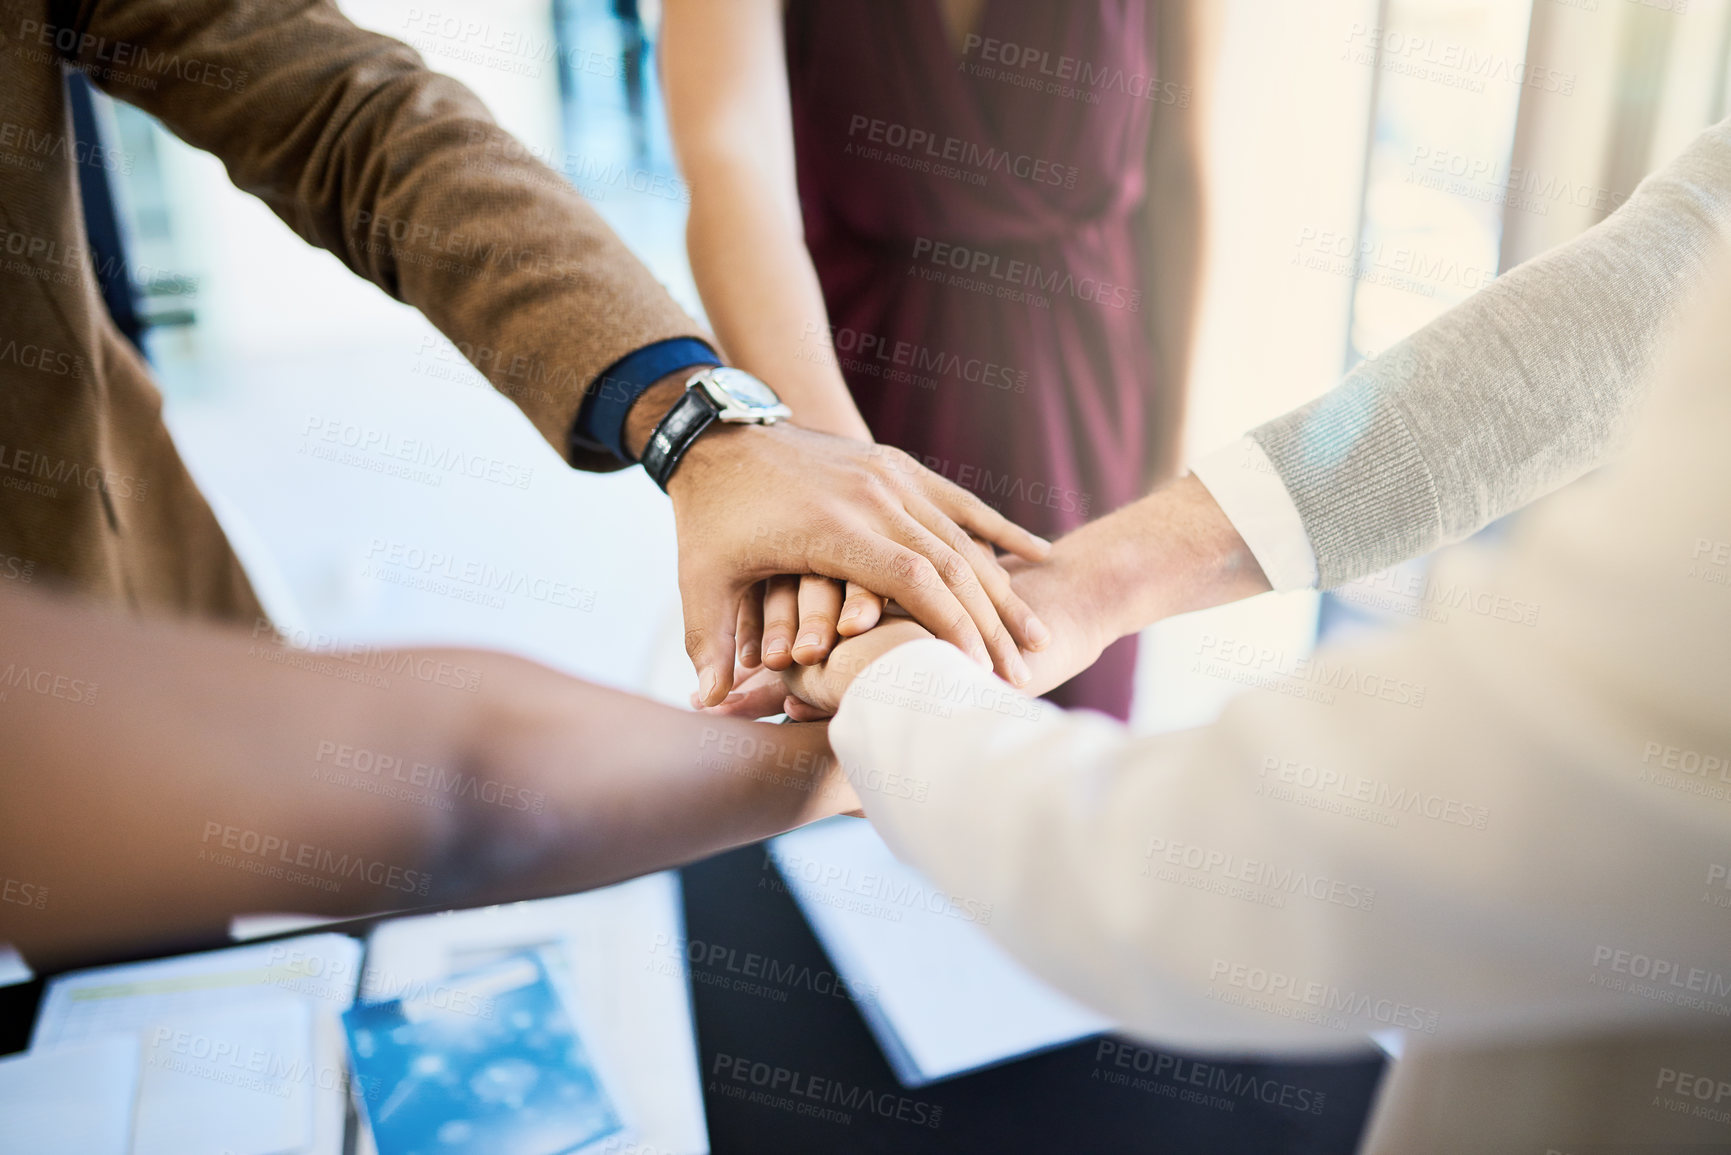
(790, 539)
(1057, 590)
(1172, 552)
(753, 503)
(858, 523)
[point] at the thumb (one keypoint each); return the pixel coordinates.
(711, 627)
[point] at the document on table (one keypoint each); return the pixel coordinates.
(76, 1101)
(237, 1051)
(942, 998)
(612, 950)
(500, 1069)
(237, 1080)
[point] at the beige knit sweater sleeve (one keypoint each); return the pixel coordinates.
(1512, 393)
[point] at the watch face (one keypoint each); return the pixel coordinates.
(743, 389)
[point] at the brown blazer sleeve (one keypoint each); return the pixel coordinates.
(398, 170)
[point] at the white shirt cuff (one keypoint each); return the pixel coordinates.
(1254, 498)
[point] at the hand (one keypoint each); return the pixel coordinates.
(815, 692)
(1057, 588)
(1066, 591)
(818, 609)
(1171, 552)
(751, 502)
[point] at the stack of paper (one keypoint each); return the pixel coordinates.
(947, 999)
(234, 1051)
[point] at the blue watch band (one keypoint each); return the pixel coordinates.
(601, 419)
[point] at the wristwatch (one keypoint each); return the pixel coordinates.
(715, 394)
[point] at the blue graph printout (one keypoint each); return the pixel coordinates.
(489, 1062)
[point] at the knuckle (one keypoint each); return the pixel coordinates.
(956, 571)
(897, 465)
(956, 538)
(869, 486)
(912, 571)
(905, 463)
(891, 456)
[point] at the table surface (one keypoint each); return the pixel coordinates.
(1075, 1098)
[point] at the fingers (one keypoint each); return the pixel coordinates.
(711, 625)
(819, 607)
(810, 692)
(966, 582)
(982, 521)
(860, 612)
(750, 635)
(1026, 628)
(798, 711)
(757, 694)
(904, 573)
(780, 618)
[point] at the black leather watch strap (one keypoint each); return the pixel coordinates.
(679, 427)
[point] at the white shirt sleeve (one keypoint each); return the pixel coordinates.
(1510, 817)
(1249, 490)
(1398, 838)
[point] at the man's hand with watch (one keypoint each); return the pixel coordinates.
(755, 498)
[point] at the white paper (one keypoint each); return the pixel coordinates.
(636, 1025)
(76, 1101)
(946, 998)
(316, 973)
(234, 1083)
(129, 998)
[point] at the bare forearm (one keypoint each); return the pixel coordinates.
(1175, 270)
(1184, 52)
(762, 294)
(1172, 552)
(161, 779)
(633, 786)
(732, 127)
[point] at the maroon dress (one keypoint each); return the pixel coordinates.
(973, 217)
